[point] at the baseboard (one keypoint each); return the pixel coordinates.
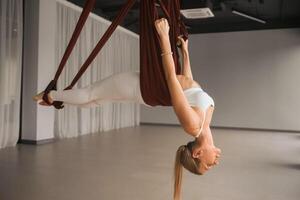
(256, 129)
(225, 127)
(37, 142)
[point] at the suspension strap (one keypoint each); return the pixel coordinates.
(89, 5)
(118, 20)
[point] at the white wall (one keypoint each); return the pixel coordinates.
(253, 76)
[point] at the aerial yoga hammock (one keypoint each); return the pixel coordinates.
(153, 85)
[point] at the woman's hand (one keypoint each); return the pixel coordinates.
(162, 27)
(184, 44)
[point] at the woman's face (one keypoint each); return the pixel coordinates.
(208, 157)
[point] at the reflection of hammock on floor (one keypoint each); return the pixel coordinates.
(154, 88)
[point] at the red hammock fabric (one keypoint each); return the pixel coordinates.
(153, 85)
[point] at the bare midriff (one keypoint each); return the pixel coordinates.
(187, 82)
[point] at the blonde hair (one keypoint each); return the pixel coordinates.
(184, 158)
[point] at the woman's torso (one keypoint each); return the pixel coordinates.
(187, 83)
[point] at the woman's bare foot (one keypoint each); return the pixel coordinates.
(39, 97)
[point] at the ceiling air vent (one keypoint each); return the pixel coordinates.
(197, 13)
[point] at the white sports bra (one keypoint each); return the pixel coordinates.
(198, 97)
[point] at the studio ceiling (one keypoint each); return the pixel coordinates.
(276, 13)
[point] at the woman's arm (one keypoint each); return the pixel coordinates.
(187, 71)
(188, 118)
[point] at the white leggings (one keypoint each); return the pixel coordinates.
(122, 87)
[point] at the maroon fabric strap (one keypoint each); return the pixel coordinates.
(118, 20)
(153, 84)
(88, 7)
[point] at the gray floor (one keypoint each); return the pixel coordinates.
(137, 163)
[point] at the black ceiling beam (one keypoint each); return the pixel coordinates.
(286, 16)
(116, 8)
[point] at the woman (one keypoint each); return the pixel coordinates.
(193, 107)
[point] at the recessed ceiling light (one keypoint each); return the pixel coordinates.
(197, 13)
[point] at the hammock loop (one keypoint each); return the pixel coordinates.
(52, 86)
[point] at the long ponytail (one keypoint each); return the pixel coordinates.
(184, 159)
(178, 173)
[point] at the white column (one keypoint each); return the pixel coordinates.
(39, 68)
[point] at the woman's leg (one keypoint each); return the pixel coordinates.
(118, 87)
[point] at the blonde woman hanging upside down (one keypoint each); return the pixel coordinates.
(192, 105)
